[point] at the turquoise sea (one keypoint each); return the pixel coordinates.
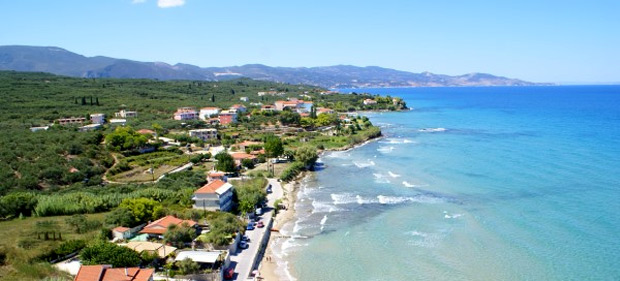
(497, 183)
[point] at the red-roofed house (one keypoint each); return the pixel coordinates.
(247, 144)
(214, 196)
(268, 108)
(299, 106)
(160, 226)
(239, 156)
(216, 176)
(107, 273)
(227, 117)
(186, 113)
(238, 108)
(121, 232)
(146, 132)
(323, 110)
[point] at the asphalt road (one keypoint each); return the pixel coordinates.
(244, 258)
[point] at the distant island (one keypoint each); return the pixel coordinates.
(62, 62)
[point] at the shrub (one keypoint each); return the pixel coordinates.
(292, 171)
(108, 253)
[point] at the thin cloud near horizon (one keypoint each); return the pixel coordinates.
(163, 3)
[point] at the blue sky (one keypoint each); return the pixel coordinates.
(545, 41)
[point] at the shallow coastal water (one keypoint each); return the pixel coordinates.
(517, 183)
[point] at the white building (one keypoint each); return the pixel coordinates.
(36, 129)
(97, 118)
(203, 134)
(186, 113)
(126, 114)
(118, 121)
(216, 195)
(90, 127)
(207, 112)
(369, 101)
(238, 108)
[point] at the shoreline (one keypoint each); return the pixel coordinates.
(268, 269)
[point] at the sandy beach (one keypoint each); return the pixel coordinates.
(268, 265)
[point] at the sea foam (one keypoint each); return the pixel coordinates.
(432, 130)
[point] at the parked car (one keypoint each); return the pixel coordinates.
(245, 238)
(260, 224)
(250, 226)
(259, 211)
(243, 245)
(229, 273)
(269, 189)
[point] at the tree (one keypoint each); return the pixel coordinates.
(16, 203)
(232, 91)
(83, 100)
(225, 162)
(108, 253)
(273, 146)
(81, 224)
(120, 216)
(313, 112)
(248, 163)
(159, 130)
(187, 266)
(142, 209)
(125, 138)
(306, 155)
(97, 101)
(212, 97)
(178, 235)
(289, 118)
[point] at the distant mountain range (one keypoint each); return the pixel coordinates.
(60, 61)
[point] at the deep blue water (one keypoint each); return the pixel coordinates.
(506, 183)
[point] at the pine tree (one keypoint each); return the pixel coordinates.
(212, 97)
(97, 101)
(83, 100)
(76, 101)
(91, 100)
(232, 91)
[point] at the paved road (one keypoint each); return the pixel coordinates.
(244, 258)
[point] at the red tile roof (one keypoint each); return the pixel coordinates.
(90, 273)
(210, 187)
(240, 156)
(145, 132)
(161, 225)
(106, 273)
(121, 229)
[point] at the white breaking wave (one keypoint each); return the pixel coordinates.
(338, 154)
(408, 184)
(347, 198)
(432, 130)
(324, 220)
(385, 149)
(364, 165)
(416, 233)
(453, 216)
(379, 178)
(323, 207)
(393, 175)
(397, 141)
